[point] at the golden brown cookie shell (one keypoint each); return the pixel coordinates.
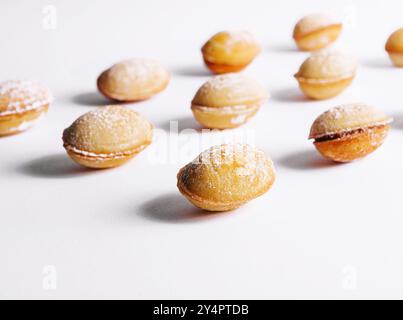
(354, 146)
(133, 80)
(214, 118)
(107, 137)
(203, 203)
(228, 101)
(321, 90)
(101, 162)
(98, 163)
(224, 68)
(225, 177)
(394, 44)
(144, 95)
(317, 39)
(108, 130)
(216, 206)
(397, 59)
(230, 51)
(12, 123)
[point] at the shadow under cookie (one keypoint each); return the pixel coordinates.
(180, 124)
(193, 71)
(173, 208)
(92, 99)
(306, 160)
(53, 166)
(289, 95)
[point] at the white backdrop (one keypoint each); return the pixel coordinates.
(323, 231)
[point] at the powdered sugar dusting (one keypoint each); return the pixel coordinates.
(328, 64)
(135, 70)
(237, 36)
(315, 22)
(249, 158)
(228, 42)
(18, 96)
(231, 86)
(234, 81)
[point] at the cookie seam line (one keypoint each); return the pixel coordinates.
(31, 107)
(229, 109)
(322, 28)
(325, 80)
(344, 131)
(104, 156)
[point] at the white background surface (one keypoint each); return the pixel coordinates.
(323, 231)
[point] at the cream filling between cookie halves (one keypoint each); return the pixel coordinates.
(105, 156)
